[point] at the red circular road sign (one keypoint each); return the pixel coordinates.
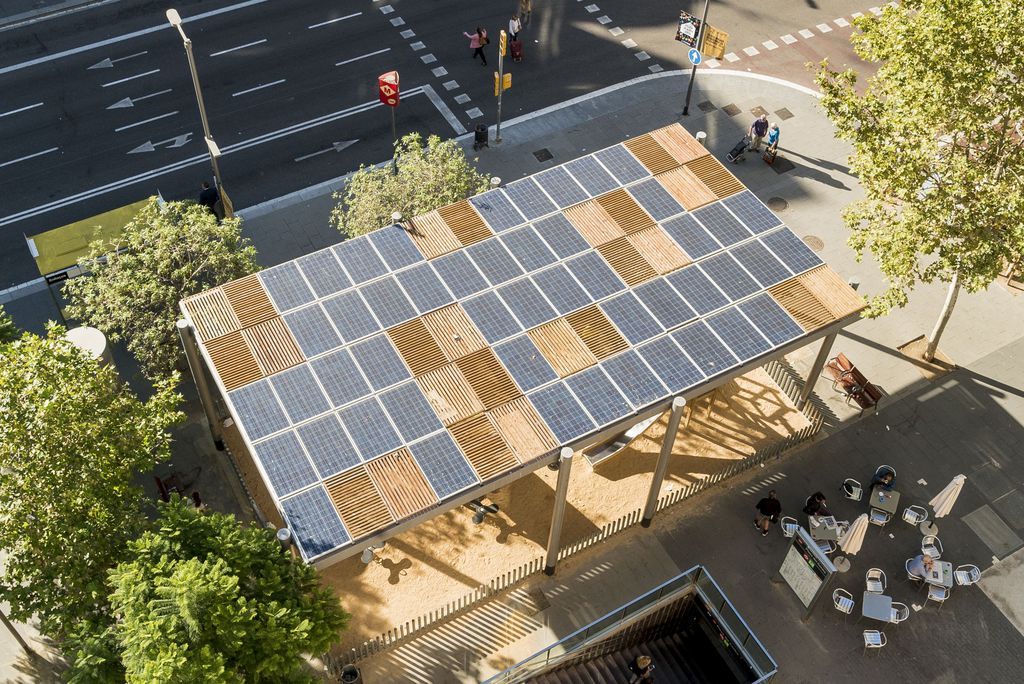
(387, 87)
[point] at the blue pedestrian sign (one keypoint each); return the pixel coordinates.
(694, 56)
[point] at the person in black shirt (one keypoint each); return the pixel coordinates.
(815, 505)
(768, 510)
(208, 197)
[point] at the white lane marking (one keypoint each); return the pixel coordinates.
(109, 63)
(145, 121)
(240, 47)
(332, 21)
(150, 146)
(369, 54)
(29, 156)
(130, 101)
(335, 147)
(131, 78)
(259, 87)
(22, 109)
(448, 114)
(127, 36)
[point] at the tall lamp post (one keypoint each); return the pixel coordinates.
(175, 19)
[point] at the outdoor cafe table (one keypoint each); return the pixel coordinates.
(876, 607)
(821, 532)
(890, 503)
(941, 575)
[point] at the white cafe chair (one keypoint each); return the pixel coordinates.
(874, 581)
(966, 575)
(843, 601)
(788, 525)
(931, 546)
(852, 489)
(873, 639)
(938, 594)
(900, 612)
(914, 515)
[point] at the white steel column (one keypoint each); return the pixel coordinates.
(667, 443)
(558, 512)
(195, 365)
(812, 375)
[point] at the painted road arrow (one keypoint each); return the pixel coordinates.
(335, 147)
(109, 63)
(130, 101)
(148, 146)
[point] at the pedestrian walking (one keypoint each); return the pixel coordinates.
(208, 197)
(768, 511)
(477, 41)
(773, 139)
(525, 10)
(642, 669)
(514, 27)
(758, 130)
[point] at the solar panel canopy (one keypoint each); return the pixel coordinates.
(385, 376)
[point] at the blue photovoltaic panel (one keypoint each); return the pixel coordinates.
(258, 410)
(665, 303)
(791, 250)
(285, 464)
(328, 446)
(312, 330)
(562, 187)
(494, 261)
(491, 316)
(749, 209)
(631, 318)
(323, 273)
(691, 236)
(360, 260)
(655, 199)
(412, 414)
(761, 263)
(424, 288)
(286, 286)
(525, 363)
(562, 289)
(527, 247)
(496, 209)
(596, 276)
(591, 175)
(299, 394)
(340, 377)
(562, 236)
(380, 362)
(738, 334)
(370, 429)
(623, 165)
(395, 246)
(351, 316)
(529, 198)
(729, 276)
(460, 275)
(670, 364)
(634, 379)
(527, 303)
(315, 522)
(386, 299)
(562, 413)
(721, 224)
(598, 394)
(446, 468)
(698, 290)
(771, 319)
(705, 349)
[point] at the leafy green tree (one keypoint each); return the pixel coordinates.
(204, 598)
(428, 176)
(937, 145)
(72, 438)
(164, 255)
(7, 330)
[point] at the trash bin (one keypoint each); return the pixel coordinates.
(350, 675)
(480, 136)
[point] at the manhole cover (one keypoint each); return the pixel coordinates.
(731, 109)
(543, 155)
(814, 242)
(706, 106)
(778, 204)
(784, 114)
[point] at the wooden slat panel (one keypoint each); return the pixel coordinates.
(832, 291)
(627, 261)
(249, 300)
(467, 225)
(593, 222)
(718, 178)
(486, 449)
(432, 235)
(233, 360)
(211, 314)
(651, 154)
(802, 305)
(678, 142)
(454, 332)
(659, 250)
(358, 502)
(562, 347)
(273, 346)
(624, 210)
(597, 332)
(400, 480)
(685, 186)
(417, 346)
(449, 394)
(488, 378)
(523, 429)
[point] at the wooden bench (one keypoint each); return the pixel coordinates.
(846, 376)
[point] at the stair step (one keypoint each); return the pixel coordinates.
(594, 672)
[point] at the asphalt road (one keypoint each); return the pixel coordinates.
(98, 108)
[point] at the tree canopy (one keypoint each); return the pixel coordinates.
(72, 438)
(7, 330)
(428, 176)
(164, 255)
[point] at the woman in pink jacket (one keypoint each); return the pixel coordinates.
(476, 43)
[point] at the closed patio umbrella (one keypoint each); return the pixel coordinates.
(943, 502)
(852, 541)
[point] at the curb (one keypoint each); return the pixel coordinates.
(26, 18)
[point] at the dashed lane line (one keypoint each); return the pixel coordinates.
(145, 121)
(334, 21)
(132, 78)
(369, 54)
(29, 156)
(259, 87)
(21, 109)
(240, 47)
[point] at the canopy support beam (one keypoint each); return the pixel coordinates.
(195, 365)
(667, 442)
(564, 464)
(816, 368)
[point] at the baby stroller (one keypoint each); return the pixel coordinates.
(736, 153)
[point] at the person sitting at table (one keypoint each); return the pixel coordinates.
(883, 479)
(815, 505)
(921, 566)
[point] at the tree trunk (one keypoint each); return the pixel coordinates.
(940, 325)
(10, 628)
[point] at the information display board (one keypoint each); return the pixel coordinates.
(806, 569)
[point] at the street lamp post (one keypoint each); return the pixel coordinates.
(175, 20)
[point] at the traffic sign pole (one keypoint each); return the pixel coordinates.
(693, 72)
(502, 42)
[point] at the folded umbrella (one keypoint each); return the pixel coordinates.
(854, 537)
(943, 502)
